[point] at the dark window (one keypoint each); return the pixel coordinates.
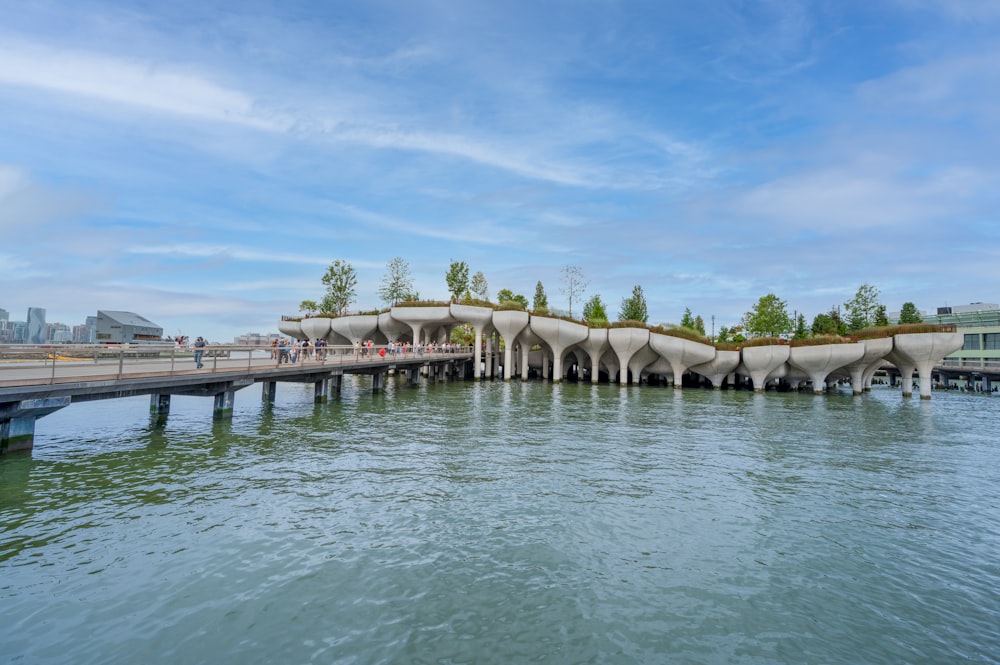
(992, 341)
(971, 342)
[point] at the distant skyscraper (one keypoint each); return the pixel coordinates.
(36, 325)
(4, 315)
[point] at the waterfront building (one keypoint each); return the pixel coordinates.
(256, 339)
(84, 334)
(980, 324)
(58, 333)
(115, 327)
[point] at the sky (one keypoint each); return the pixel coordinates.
(202, 164)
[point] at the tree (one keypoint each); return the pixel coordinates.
(594, 311)
(309, 307)
(541, 302)
(862, 308)
(801, 332)
(574, 284)
(699, 324)
(687, 321)
(881, 318)
(768, 318)
(397, 285)
(479, 287)
(829, 323)
(457, 278)
(634, 307)
(341, 282)
(507, 296)
(908, 313)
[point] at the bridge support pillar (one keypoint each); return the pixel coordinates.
(987, 384)
(320, 394)
(159, 405)
(336, 383)
(269, 391)
(17, 434)
(378, 381)
(17, 421)
(224, 405)
(414, 374)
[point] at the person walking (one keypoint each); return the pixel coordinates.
(199, 349)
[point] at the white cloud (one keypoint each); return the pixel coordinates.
(227, 252)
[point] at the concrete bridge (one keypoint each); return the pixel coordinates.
(625, 352)
(38, 380)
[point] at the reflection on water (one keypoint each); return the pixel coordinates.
(506, 522)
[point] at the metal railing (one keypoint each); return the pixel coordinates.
(33, 364)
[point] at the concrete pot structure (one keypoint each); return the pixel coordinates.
(595, 346)
(681, 353)
(625, 342)
(875, 353)
(509, 323)
(480, 318)
(420, 318)
(391, 329)
(610, 362)
(559, 335)
(922, 351)
(640, 360)
(355, 328)
(818, 362)
(525, 340)
(718, 368)
(291, 328)
(661, 367)
(315, 327)
(759, 362)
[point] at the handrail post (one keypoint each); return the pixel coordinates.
(215, 361)
(173, 357)
(121, 360)
(53, 380)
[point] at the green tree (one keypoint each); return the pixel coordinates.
(801, 332)
(829, 323)
(397, 284)
(594, 310)
(881, 318)
(862, 308)
(574, 284)
(507, 296)
(687, 321)
(699, 324)
(768, 318)
(634, 307)
(308, 307)
(908, 313)
(479, 287)
(540, 304)
(457, 278)
(341, 283)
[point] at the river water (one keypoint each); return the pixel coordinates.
(507, 523)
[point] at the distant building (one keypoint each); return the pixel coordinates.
(36, 333)
(256, 339)
(58, 333)
(980, 323)
(122, 327)
(84, 334)
(4, 314)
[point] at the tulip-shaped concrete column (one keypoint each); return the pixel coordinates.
(559, 335)
(526, 340)
(480, 318)
(355, 328)
(718, 368)
(818, 361)
(761, 361)
(315, 327)
(291, 328)
(875, 353)
(419, 318)
(393, 330)
(625, 342)
(594, 346)
(509, 323)
(681, 353)
(906, 368)
(640, 360)
(923, 351)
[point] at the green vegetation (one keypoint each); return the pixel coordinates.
(863, 309)
(908, 314)
(422, 303)
(821, 339)
(457, 278)
(479, 288)
(397, 284)
(505, 297)
(634, 307)
(594, 312)
(768, 318)
(341, 281)
(574, 284)
(540, 304)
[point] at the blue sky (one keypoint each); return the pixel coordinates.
(203, 163)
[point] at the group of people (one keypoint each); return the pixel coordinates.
(285, 352)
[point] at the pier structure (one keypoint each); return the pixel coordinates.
(505, 341)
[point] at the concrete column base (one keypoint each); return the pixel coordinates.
(320, 394)
(159, 405)
(269, 391)
(224, 402)
(17, 434)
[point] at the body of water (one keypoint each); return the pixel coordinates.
(507, 523)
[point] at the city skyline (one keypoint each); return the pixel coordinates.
(204, 166)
